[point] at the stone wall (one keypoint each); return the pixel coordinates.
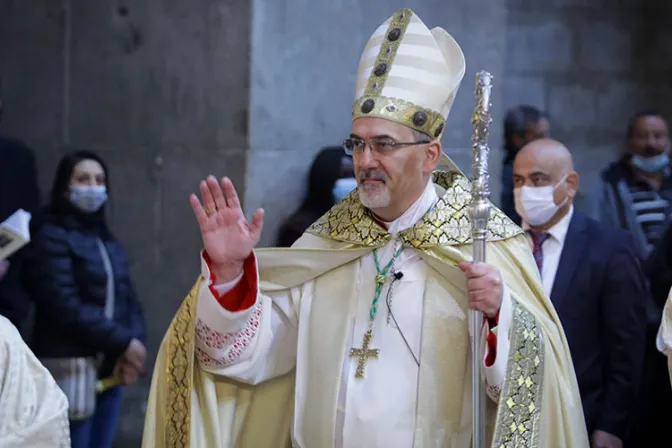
(160, 90)
(590, 64)
(304, 62)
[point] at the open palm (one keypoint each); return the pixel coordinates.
(227, 236)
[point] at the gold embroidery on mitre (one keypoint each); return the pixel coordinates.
(446, 224)
(388, 51)
(402, 112)
(520, 400)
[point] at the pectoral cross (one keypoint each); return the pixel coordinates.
(363, 354)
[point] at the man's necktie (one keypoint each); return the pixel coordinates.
(538, 239)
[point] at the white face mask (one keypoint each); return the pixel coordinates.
(88, 198)
(535, 204)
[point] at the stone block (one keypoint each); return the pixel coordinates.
(584, 4)
(553, 6)
(303, 74)
(590, 161)
(160, 73)
(525, 89)
(608, 4)
(177, 232)
(571, 105)
(616, 101)
(303, 79)
(659, 96)
(277, 182)
(652, 43)
(604, 45)
(538, 42)
(31, 70)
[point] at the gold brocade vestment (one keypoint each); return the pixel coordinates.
(539, 403)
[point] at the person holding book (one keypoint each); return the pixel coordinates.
(89, 324)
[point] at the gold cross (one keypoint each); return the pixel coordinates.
(363, 354)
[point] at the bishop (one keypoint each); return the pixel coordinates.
(358, 335)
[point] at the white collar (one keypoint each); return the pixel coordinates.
(559, 230)
(415, 212)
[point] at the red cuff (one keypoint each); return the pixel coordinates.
(491, 340)
(492, 349)
(244, 294)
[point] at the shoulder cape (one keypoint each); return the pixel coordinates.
(539, 403)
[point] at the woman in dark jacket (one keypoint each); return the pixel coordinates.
(89, 325)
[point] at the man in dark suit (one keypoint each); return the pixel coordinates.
(594, 279)
(18, 189)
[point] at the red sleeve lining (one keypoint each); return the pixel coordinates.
(492, 349)
(491, 340)
(244, 294)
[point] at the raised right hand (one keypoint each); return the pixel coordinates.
(227, 236)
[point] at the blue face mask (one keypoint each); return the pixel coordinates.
(343, 187)
(653, 164)
(88, 198)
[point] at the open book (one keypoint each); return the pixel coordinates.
(14, 233)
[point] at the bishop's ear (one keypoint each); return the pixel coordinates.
(432, 156)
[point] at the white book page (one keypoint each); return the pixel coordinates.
(14, 233)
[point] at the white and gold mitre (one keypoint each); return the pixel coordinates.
(409, 74)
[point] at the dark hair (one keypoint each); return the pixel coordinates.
(641, 114)
(324, 172)
(516, 121)
(64, 174)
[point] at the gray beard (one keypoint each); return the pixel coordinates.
(374, 199)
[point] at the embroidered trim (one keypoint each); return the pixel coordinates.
(445, 224)
(209, 337)
(206, 360)
(179, 372)
(237, 341)
(493, 391)
(386, 55)
(519, 407)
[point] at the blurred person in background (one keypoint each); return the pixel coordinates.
(635, 193)
(522, 124)
(89, 324)
(18, 190)
(331, 179)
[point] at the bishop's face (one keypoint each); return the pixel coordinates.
(391, 177)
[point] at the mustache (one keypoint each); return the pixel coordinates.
(651, 151)
(372, 174)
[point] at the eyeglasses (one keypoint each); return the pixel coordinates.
(382, 146)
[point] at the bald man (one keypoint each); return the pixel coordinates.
(594, 279)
